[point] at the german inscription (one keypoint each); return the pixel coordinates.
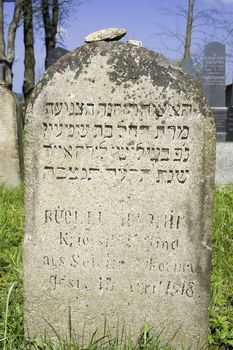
(117, 169)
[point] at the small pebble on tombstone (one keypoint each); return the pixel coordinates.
(109, 34)
(120, 156)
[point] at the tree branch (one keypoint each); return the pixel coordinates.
(12, 31)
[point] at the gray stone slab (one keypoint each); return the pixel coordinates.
(214, 74)
(120, 166)
(224, 163)
(9, 140)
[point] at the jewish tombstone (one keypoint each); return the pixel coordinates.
(120, 154)
(10, 174)
(214, 84)
(54, 55)
(214, 74)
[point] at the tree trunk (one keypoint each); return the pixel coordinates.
(50, 14)
(189, 28)
(29, 57)
(10, 57)
(2, 41)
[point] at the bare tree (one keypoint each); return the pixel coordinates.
(50, 15)
(29, 58)
(2, 40)
(189, 28)
(203, 23)
(7, 57)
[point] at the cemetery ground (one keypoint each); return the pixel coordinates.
(11, 286)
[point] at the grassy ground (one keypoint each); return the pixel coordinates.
(11, 314)
(221, 312)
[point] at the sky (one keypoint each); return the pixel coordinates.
(157, 23)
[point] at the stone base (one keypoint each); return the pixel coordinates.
(221, 136)
(220, 114)
(224, 163)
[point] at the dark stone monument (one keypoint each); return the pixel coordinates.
(229, 124)
(214, 74)
(229, 97)
(54, 55)
(220, 114)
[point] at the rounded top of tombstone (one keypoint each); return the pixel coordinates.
(109, 34)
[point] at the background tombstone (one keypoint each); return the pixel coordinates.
(230, 124)
(9, 139)
(214, 84)
(229, 96)
(54, 55)
(119, 191)
(214, 74)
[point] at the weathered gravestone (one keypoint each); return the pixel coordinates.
(119, 191)
(214, 84)
(9, 139)
(214, 74)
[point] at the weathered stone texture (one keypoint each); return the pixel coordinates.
(9, 139)
(119, 190)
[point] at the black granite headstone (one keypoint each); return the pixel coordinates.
(229, 96)
(54, 55)
(214, 74)
(220, 114)
(230, 124)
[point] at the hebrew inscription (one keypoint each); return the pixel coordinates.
(80, 137)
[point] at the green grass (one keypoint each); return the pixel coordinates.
(221, 312)
(11, 300)
(11, 236)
